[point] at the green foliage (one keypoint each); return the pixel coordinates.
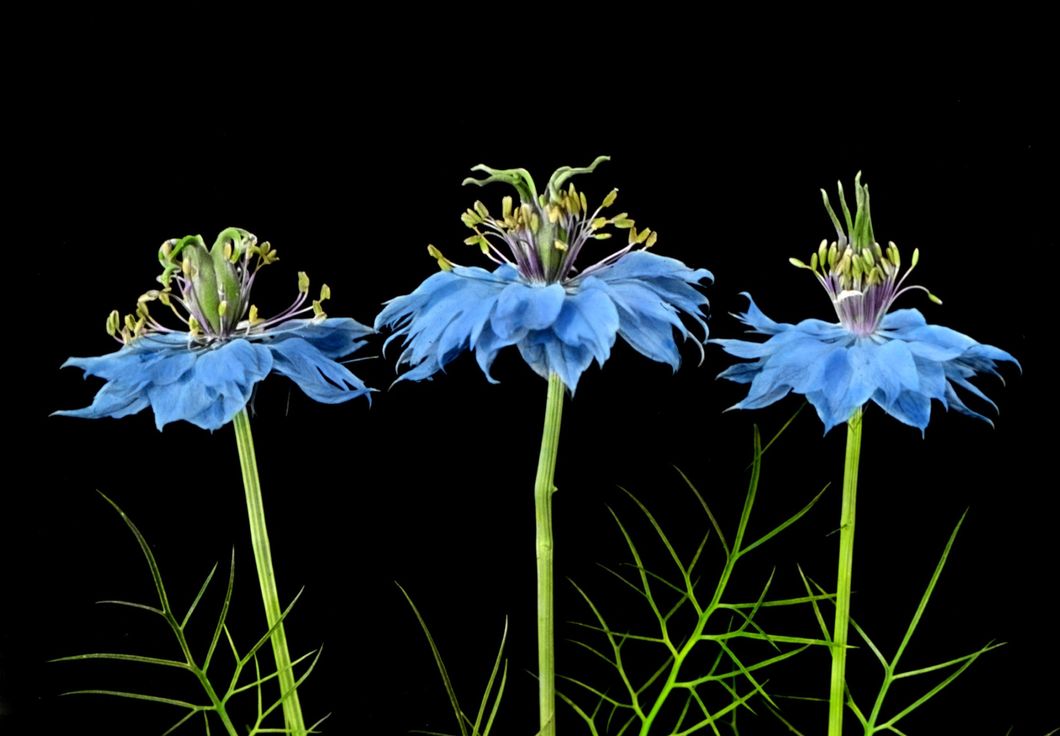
(875, 721)
(467, 726)
(218, 698)
(701, 675)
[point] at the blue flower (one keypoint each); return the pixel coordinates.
(560, 317)
(205, 374)
(895, 359)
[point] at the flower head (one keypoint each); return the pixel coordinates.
(896, 359)
(560, 316)
(206, 372)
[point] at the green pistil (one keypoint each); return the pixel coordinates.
(543, 232)
(855, 266)
(209, 290)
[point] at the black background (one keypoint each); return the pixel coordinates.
(350, 166)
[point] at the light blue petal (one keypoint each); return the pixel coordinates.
(902, 319)
(902, 367)
(909, 407)
(113, 400)
(672, 282)
(800, 362)
(182, 400)
(892, 368)
(486, 348)
(525, 307)
(741, 372)
(335, 337)
(852, 392)
(758, 321)
(954, 402)
(545, 354)
(533, 352)
(641, 264)
(588, 319)
(744, 348)
(320, 377)
(124, 365)
(936, 343)
(652, 338)
(216, 389)
(646, 322)
(443, 317)
(763, 393)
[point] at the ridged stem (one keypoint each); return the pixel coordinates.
(543, 490)
(259, 537)
(836, 700)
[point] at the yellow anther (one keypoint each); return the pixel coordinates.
(444, 263)
(113, 322)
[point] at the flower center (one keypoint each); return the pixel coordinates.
(862, 279)
(542, 235)
(209, 290)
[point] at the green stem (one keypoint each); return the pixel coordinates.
(259, 537)
(836, 700)
(543, 490)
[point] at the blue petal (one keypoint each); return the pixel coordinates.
(641, 264)
(589, 320)
(902, 367)
(650, 291)
(181, 379)
(335, 337)
(910, 407)
(673, 281)
(525, 307)
(127, 364)
(800, 361)
(935, 343)
(320, 377)
(445, 315)
(902, 319)
(763, 393)
(856, 388)
(486, 348)
(546, 354)
(757, 319)
(216, 389)
(113, 400)
(646, 322)
(741, 372)
(892, 369)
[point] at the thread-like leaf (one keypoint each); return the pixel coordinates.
(439, 662)
(224, 612)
